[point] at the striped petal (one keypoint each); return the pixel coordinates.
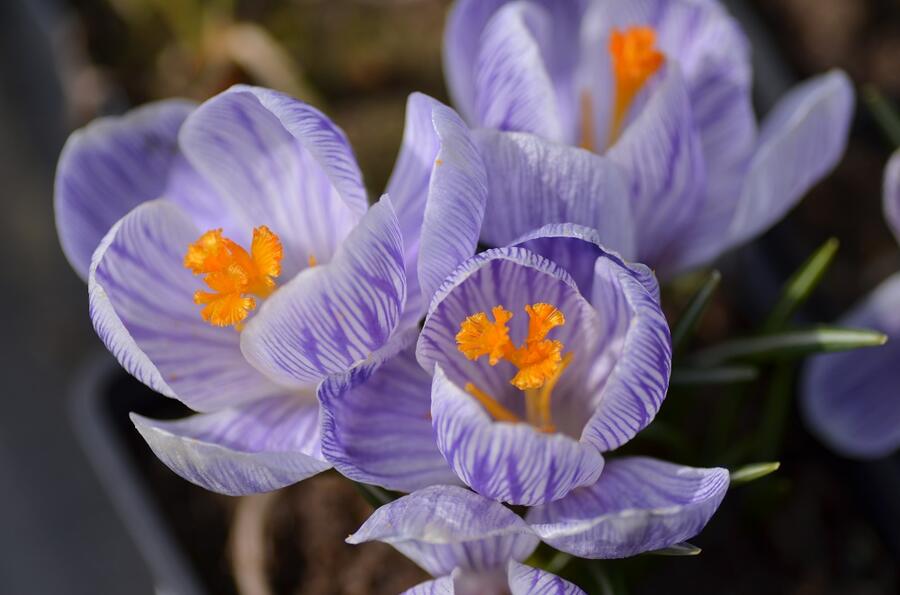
(376, 421)
(278, 162)
(141, 304)
(800, 142)
(441, 586)
(249, 449)
(534, 182)
(442, 528)
(638, 505)
(331, 317)
(629, 378)
(439, 189)
(108, 168)
(850, 400)
(891, 196)
(525, 580)
(511, 462)
(662, 155)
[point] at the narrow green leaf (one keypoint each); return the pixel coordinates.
(802, 283)
(713, 376)
(679, 549)
(752, 472)
(884, 113)
(788, 344)
(695, 308)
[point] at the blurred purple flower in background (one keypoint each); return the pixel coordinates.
(850, 400)
(139, 194)
(659, 90)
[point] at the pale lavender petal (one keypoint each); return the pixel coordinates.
(463, 42)
(108, 168)
(513, 88)
(525, 580)
(441, 586)
(334, 316)
(534, 182)
(629, 378)
(638, 505)
(442, 528)
(576, 248)
(141, 303)
(253, 448)
(511, 462)
(439, 189)
(376, 421)
(278, 162)
(851, 400)
(800, 142)
(662, 155)
(891, 197)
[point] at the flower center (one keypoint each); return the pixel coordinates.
(634, 60)
(539, 360)
(233, 275)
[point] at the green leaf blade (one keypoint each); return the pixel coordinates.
(801, 284)
(694, 311)
(752, 472)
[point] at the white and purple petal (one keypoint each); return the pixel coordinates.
(259, 447)
(142, 307)
(108, 168)
(511, 462)
(851, 399)
(533, 182)
(441, 586)
(442, 528)
(376, 421)
(660, 151)
(525, 580)
(332, 317)
(891, 197)
(278, 162)
(638, 505)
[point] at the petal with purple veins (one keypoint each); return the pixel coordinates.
(638, 505)
(442, 528)
(253, 448)
(108, 168)
(142, 307)
(525, 580)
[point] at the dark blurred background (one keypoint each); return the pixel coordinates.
(63, 63)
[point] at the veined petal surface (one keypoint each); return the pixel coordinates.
(525, 580)
(331, 317)
(891, 197)
(278, 162)
(638, 505)
(442, 528)
(258, 447)
(108, 168)
(376, 421)
(142, 307)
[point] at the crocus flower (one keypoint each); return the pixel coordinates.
(475, 545)
(233, 263)
(660, 91)
(850, 400)
(522, 385)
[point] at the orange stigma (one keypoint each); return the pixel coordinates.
(233, 275)
(539, 360)
(634, 59)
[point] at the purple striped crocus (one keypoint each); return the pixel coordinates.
(850, 400)
(534, 361)
(659, 92)
(233, 262)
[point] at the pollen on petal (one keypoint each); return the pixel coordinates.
(479, 336)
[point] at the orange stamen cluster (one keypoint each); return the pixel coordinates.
(233, 274)
(539, 360)
(635, 59)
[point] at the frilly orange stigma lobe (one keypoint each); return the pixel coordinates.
(233, 274)
(634, 60)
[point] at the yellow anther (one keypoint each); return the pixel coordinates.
(539, 360)
(497, 411)
(479, 336)
(634, 59)
(233, 275)
(311, 261)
